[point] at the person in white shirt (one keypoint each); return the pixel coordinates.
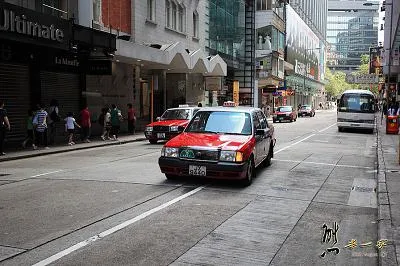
(70, 124)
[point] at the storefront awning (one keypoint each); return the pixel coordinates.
(174, 57)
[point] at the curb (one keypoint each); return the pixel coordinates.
(68, 149)
(387, 255)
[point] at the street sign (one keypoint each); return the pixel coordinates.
(362, 79)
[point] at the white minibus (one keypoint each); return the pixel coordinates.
(356, 109)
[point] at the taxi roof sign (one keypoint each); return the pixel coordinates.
(229, 104)
(183, 105)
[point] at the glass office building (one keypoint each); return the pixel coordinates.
(231, 35)
(351, 30)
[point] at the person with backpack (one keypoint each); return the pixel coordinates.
(116, 118)
(53, 118)
(4, 125)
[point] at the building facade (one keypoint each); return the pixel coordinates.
(161, 60)
(391, 54)
(270, 51)
(351, 30)
(305, 50)
(45, 55)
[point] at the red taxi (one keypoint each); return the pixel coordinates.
(220, 143)
(170, 124)
(284, 113)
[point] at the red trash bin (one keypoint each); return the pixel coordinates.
(392, 124)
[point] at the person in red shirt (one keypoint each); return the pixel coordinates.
(85, 124)
(131, 119)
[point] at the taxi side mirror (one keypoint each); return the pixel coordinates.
(262, 131)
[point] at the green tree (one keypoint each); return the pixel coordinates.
(336, 83)
(364, 69)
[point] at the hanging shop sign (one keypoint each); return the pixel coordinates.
(236, 92)
(213, 83)
(25, 25)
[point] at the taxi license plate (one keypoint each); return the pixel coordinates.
(197, 170)
(161, 135)
(280, 118)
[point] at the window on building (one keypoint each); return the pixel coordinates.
(195, 24)
(96, 10)
(168, 13)
(151, 10)
(181, 18)
(174, 11)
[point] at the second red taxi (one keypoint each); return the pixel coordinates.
(220, 143)
(284, 113)
(170, 124)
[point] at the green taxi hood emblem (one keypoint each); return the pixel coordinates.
(187, 154)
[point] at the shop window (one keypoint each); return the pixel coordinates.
(151, 10)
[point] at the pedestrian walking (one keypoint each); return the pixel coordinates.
(4, 126)
(86, 124)
(105, 121)
(70, 124)
(30, 135)
(131, 119)
(40, 125)
(53, 118)
(116, 118)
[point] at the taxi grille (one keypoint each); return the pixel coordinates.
(196, 154)
(161, 128)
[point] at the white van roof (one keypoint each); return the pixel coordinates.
(358, 91)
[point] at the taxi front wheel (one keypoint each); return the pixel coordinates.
(249, 173)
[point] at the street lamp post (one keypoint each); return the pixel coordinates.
(305, 65)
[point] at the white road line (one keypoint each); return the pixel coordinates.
(322, 141)
(291, 145)
(329, 164)
(327, 127)
(114, 229)
(48, 173)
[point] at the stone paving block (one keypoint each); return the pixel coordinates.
(381, 177)
(384, 212)
(383, 198)
(385, 230)
(387, 256)
(382, 187)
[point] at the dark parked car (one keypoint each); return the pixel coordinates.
(285, 113)
(306, 110)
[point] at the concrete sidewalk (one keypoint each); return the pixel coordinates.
(20, 153)
(388, 195)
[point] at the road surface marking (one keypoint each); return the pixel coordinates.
(327, 127)
(330, 164)
(322, 141)
(291, 145)
(48, 173)
(114, 229)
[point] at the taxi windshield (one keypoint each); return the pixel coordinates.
(176, 114)
(284, 109)
(306, 107)
(221, 122)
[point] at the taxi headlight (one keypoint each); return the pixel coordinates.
(170, 152)
(231, 156)
(149, 129)
(174, 128)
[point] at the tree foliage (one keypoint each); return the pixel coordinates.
(336, 83)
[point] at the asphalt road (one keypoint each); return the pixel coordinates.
(112, 206)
